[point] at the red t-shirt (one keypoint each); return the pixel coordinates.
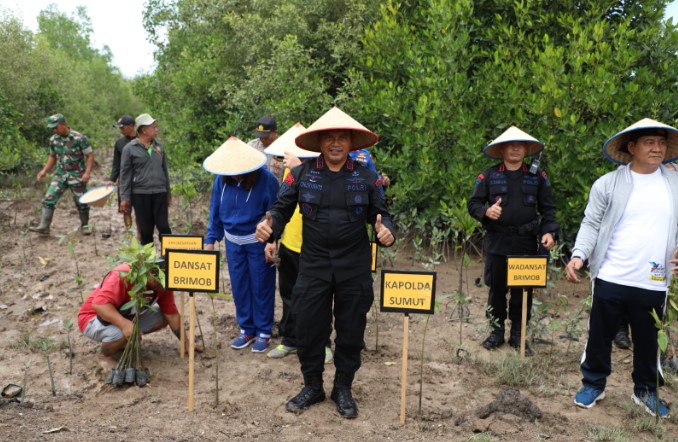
(113, 290)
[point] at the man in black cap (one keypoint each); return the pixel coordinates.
(126, 126)
(266, 133)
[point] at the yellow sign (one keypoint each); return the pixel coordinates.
(373, 244)
(183, 242)
(526, 271)
(192, 270)
(408, 292)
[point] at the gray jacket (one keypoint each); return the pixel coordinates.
(607, 201)
(141, 172)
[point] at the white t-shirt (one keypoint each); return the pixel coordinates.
(636, 255)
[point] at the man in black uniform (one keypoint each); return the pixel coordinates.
(336, 197)
(515, 206)
(126, 126)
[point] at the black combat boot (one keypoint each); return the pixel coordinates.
(621, 339)
(342, 396)
(309, 395)
(495, 340)
(514, 340)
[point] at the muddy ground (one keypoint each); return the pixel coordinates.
(465, 395)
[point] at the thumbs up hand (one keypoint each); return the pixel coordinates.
(494, 211)
(384, 235)
(264, 229)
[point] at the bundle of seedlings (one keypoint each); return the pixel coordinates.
(145, 265)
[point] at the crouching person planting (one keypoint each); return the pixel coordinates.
(108, 315)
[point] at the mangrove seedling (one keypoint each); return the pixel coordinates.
(216, 340)
(68, 326)
(45, 345)
(71, 241)
(144, 266)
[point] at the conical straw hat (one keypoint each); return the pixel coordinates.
(336, 119)
(234, 158)
(615, 148)
(97, 197)
(493, 150)
(285, 143)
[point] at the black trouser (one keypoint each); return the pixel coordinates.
(313, 307)
(610, 303)
(152, 211)
(495, 274)
(287, 278)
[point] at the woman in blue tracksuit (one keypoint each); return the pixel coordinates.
(242, 192)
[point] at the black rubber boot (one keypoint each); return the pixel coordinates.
(85, 229)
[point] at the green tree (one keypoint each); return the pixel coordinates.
(439, 79)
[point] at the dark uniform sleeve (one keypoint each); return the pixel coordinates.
(477, 204)
(378, 207)
(284, 206)
(117, 155)
(547, 207)
(126, 172)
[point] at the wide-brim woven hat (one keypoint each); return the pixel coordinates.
(285, 143)
(336, 119)
(97, 197)
(234, 158)
(615, 148)
(493, 150)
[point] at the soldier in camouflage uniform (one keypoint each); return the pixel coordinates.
(73, 156)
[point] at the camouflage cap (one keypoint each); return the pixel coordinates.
(54, 120)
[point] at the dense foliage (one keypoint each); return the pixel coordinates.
(440, 79)
(55, 70)
(436, 79)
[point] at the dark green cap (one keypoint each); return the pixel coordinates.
(54, 120)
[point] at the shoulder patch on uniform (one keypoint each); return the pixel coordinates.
(289, 179)
(378, 182)
(546, 179)
(479, 179)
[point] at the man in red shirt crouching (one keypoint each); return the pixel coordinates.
(102, 320)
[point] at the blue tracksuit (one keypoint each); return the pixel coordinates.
(235, 213)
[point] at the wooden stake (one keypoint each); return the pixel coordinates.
(523, 326)
(403, 377)
(191, 348)
(182, 332)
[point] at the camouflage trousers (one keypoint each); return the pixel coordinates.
(58, 186)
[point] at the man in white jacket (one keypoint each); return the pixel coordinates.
(629, 237)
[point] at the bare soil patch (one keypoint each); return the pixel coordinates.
(465, 395)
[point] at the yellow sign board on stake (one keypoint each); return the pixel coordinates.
(526, 272)
(183, 242)
(192, 271)
(407, 292)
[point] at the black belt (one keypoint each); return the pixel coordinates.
(524, 230)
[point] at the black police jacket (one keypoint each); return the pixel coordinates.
(335, 208)
(528, 209)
